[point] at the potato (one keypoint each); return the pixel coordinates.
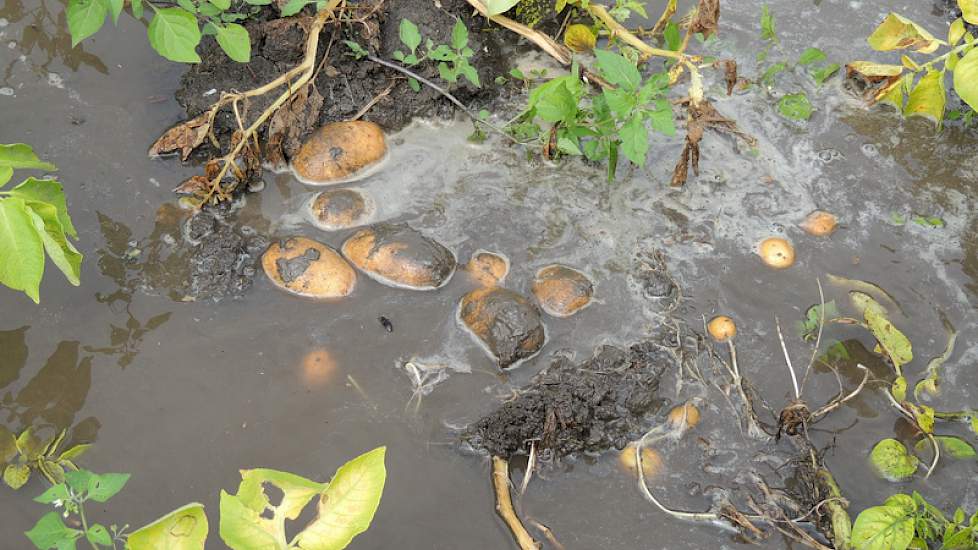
(721, 328)
(776, 252)
(339, 151)
(308, 268)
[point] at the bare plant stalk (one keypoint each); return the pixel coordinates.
(818, 338)
(837, 402)
(504, 505)
(531, 463)
(787, 359)
(559, 52)
(618, 30)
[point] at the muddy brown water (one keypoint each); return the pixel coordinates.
(182, 395)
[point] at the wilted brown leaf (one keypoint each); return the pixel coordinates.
(707, 17)
(193, 186)
(184, 137)
(730, 74)
(873, 81)
(292, 121)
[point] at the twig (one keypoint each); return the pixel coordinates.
(787, 359)
(818, 338)
(475, 118)
(643, 487)
(558, 51)
(504, 505)
(547, 533)
(363, 110)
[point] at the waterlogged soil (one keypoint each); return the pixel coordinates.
(183, 393)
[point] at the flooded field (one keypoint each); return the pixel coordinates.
(183, 394)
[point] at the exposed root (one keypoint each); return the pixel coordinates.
(504, 505)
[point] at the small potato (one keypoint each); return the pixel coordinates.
(721, 328)
(339, 151)
(820, 223)
(487, 268)
(684, 417)
(776, 252)
(318, 367)
(651, 461)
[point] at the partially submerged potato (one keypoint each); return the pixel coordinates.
(318, 367)
(651, 461)
(820, 223)
(308, 268)
(776, 252)
(339, 151)
(339, 209)
(397, 255)
(684, 417)
(562, 291)
(721, 328)
(487, 268)
(507, 324)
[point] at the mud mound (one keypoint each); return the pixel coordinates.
(592, 406)
(345, 84)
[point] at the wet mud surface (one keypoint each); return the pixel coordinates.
(192, 390)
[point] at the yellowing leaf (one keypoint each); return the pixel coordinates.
(883, 528)
(579, 38)
(928, 97)
(966, 78)
(182, 529)
(899, 388)
(348, 505)
(892, 461)
(899, 33)
(871, 69)
(969, 10)
(956, 32)
(892, 341)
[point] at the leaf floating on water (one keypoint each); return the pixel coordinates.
(954, 447)
(795, 107)
(182, 529)
(879, 80)
(931, 384)
(923, 415)
(891, 460)
(865, 287)
(813, 316)
(184, 137)
(899, 33)
(893, 342)
(899, 389)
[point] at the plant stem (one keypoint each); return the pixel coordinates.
(944, 56)
(81, 514)
(617, 29)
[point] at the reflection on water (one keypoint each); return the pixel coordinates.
(52, 398)
(43, 29)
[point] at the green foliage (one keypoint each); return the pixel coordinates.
(453, 60)
(808, 328)
(768, 31)
(795, 106)
(599, 126)
(249, 521)
(909, 521)
(919, 88)
(33, 220)
(175, 30)
(892, 461)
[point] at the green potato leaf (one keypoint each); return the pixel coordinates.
(245, 521)
(47, 191)
(293, 7)
(966, 78)
(174, 34)
(460, 35)
(893, 342)
(496, 7)
(62, 253)
(348, 504)
(635, 140)
(883, 528)
(969, 10)
(811, 55)
(409, 34)
(17, 156)
(54, 493)
(795, 106)
(21, 248)
(955, 447)
(234, 40)
(98, 534)
(51, 532)
(899, 33)
(102, 487)
(928, 97)
(892, 461)
(115, 8)
(85, 18)
(182, 529)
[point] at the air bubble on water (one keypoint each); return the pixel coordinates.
(829, 155)
(7, 91)
(54, 79)
(3, 22)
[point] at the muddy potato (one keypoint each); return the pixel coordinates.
(684, 417)
(721, 328)
(308, 268)
(339, 209)
(487, 268)
(397, 255)
(507, 324)
(776, 252)
(651, 461)
(318, 367)
(339, 151)
(820, 223)
(562, 291)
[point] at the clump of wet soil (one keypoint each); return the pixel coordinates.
(344, 83)
(224, 258)
(592, 406)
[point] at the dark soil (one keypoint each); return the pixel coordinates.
(346, 84)
(593, 406)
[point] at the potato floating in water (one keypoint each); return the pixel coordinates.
(684, 417)
(651, 461)
(820, 223)
(318, 367)
(721, 328)
(340, 209)
(487, 268)
(308, 268)
(397, 255)
(562, 291)
(338, 152)
(776, 252)
(507, 324)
